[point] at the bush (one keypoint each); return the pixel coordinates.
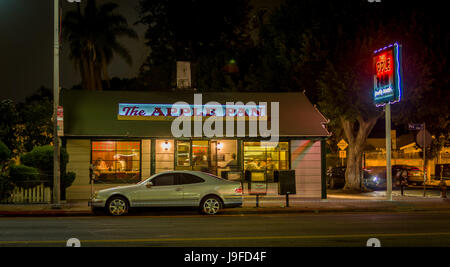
(41, 158)
(24, 176)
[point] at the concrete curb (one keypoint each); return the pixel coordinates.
(249, 209)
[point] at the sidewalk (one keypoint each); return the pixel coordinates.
(272, 204)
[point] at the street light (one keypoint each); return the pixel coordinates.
(56, 141)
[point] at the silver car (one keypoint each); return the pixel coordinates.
(172, 189)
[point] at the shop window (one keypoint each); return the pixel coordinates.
(183, 155)
(268, 158)
(227, 156)
(164, 155)
(116, 161)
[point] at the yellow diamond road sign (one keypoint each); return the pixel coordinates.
(342, 144)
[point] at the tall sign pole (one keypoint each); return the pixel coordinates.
(387, 90)
(56, 145)
(388, 153)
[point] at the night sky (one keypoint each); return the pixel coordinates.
(26, 46)
(26, 28)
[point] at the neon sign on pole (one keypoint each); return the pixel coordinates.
(387, 75)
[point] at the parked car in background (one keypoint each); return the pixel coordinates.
(172, 189)
(375, 178)
(336, 177)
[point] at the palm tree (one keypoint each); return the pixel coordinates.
(93, 38)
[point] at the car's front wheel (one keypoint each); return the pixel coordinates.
(117, 206)
(211, 205)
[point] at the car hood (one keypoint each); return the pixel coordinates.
(121, 189)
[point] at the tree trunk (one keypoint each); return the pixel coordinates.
(357, 137)
(98, 77)
(84, 70)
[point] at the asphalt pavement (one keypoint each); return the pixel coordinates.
(401, 229)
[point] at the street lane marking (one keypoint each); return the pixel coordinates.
(152, 240)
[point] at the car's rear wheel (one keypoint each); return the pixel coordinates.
(211, 205)
(117, 206)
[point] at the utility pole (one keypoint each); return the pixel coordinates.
(56, 143)
(424, 150)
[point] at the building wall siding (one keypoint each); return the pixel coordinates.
(79, 151)
(146, 159)
(306, 161)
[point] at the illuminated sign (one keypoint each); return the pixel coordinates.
(387, 75)
(169, 112)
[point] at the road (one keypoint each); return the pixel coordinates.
(192, 230)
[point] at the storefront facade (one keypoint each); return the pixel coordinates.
(104, 130)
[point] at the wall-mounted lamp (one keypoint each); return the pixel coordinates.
(219, 146)
(166, 145)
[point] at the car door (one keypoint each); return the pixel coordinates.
(193, 187)
(164, 192)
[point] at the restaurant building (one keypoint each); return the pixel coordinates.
(128, 136)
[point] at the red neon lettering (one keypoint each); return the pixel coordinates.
(196, 113)
(130, 111)
(185, 112)
(210, 111)
(230, 112)
(158, 113)
(171, 111)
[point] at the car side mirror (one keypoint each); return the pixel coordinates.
(149, 185)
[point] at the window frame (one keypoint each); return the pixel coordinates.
(266, 161)
(176, 180)
(139, 179)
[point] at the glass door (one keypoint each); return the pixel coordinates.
(183, 155)
(200, 156)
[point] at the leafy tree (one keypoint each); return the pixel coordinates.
(209, 34)
(35, 124)
(5, 156)
(325, 48)
(9, 119)
(5, 183)
(348, 79)
(93, 38)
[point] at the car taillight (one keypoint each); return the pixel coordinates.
(238, 190)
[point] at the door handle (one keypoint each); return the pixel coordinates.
(179, 189)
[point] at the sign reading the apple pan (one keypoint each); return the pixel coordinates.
(387, 75)
(169, 112)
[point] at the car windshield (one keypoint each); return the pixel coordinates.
(146, 180)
